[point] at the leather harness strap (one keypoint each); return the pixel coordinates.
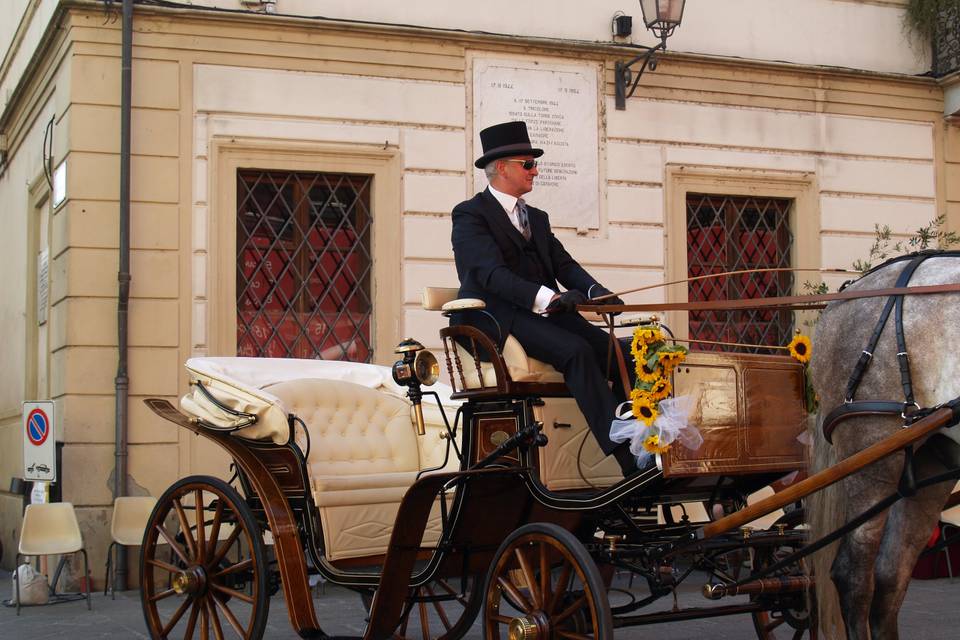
(909, 407)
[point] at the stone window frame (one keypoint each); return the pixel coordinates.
(229, 155)
(799, 186)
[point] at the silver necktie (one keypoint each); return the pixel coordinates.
(523, 219)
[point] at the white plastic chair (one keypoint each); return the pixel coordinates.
(130, 516)
(763, 522)
(51, 529)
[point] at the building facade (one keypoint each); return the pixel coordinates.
(293, 176)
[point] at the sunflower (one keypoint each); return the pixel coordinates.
(645, 374)
(652, 444)
(644, 407)
(638, 348)
(661, 389)
(648, 335)
(800, 348)
(670, 359)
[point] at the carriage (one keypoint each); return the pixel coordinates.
(487, 498)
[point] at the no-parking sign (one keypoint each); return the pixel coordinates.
(39, 442)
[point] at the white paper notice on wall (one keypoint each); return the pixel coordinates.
(559, 104)
(60, 184)
(43, 285)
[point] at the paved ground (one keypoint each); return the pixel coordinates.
(931, 612)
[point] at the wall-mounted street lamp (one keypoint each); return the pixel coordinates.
(660, 17)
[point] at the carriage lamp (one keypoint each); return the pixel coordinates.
(661, 18)
(418, 367)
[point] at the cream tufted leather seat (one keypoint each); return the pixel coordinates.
(364, 455)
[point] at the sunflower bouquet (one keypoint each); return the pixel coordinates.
(655, 419)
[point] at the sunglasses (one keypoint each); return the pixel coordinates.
(527, 164)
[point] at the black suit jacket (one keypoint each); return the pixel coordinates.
(491, 264)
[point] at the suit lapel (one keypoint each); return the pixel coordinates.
(498, 218)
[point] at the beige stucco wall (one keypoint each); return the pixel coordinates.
(863, 146)
(857, 34)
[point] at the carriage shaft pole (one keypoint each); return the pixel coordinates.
(949, 413)
(782, 584)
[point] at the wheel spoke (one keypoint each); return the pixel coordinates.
(461, 598)
(201, 525)
(215, 527)
(214, 619)
(185, 528)
(529, 577)
(501, 619)
(562, 581)
(222, 551)
(192, 620)
(173, 545)
(514, 593)
(232, 619)
(571, 635)
(572, 609)
(233, 593)
(240, 566)
(424, 621)
(162, 595)
(204, 616)
(545, 590)
(175, 618)
(163, 565)
(438, 607)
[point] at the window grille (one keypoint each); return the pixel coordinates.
(304, 265)
(733, 233)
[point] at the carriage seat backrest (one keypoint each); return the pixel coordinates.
(520, 367)
(354, 430)
(364, 455)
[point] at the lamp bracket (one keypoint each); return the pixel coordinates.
(624, 75)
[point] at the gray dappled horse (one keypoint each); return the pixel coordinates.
(872, 565)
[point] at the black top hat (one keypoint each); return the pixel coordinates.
(504, 140)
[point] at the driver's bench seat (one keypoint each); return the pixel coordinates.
(572, 459)
(514, 372)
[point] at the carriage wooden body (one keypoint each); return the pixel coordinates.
(488, 502)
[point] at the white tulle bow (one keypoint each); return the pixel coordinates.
(671, 426)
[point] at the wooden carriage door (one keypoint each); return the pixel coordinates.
(733, 233)
(304, 265)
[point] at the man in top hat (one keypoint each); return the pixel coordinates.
(507, 256)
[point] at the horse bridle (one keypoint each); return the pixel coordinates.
(908, 410)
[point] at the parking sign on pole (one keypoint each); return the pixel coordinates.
(39, 442)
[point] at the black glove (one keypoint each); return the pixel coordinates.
(567, 302)
(597, 291)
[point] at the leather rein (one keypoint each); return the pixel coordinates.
(908, 409)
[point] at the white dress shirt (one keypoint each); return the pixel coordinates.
(509, 204)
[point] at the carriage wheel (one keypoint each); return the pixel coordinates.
(792, 616)
(445, 610)
(544, 584)
(210, 580)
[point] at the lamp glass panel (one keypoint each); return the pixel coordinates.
(650, 13)
(671, 11)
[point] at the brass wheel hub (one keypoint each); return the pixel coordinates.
(191, 580)
(523, 628)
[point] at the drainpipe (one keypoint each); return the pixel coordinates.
(122, 382)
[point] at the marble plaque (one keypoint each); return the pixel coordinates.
(559, 104)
